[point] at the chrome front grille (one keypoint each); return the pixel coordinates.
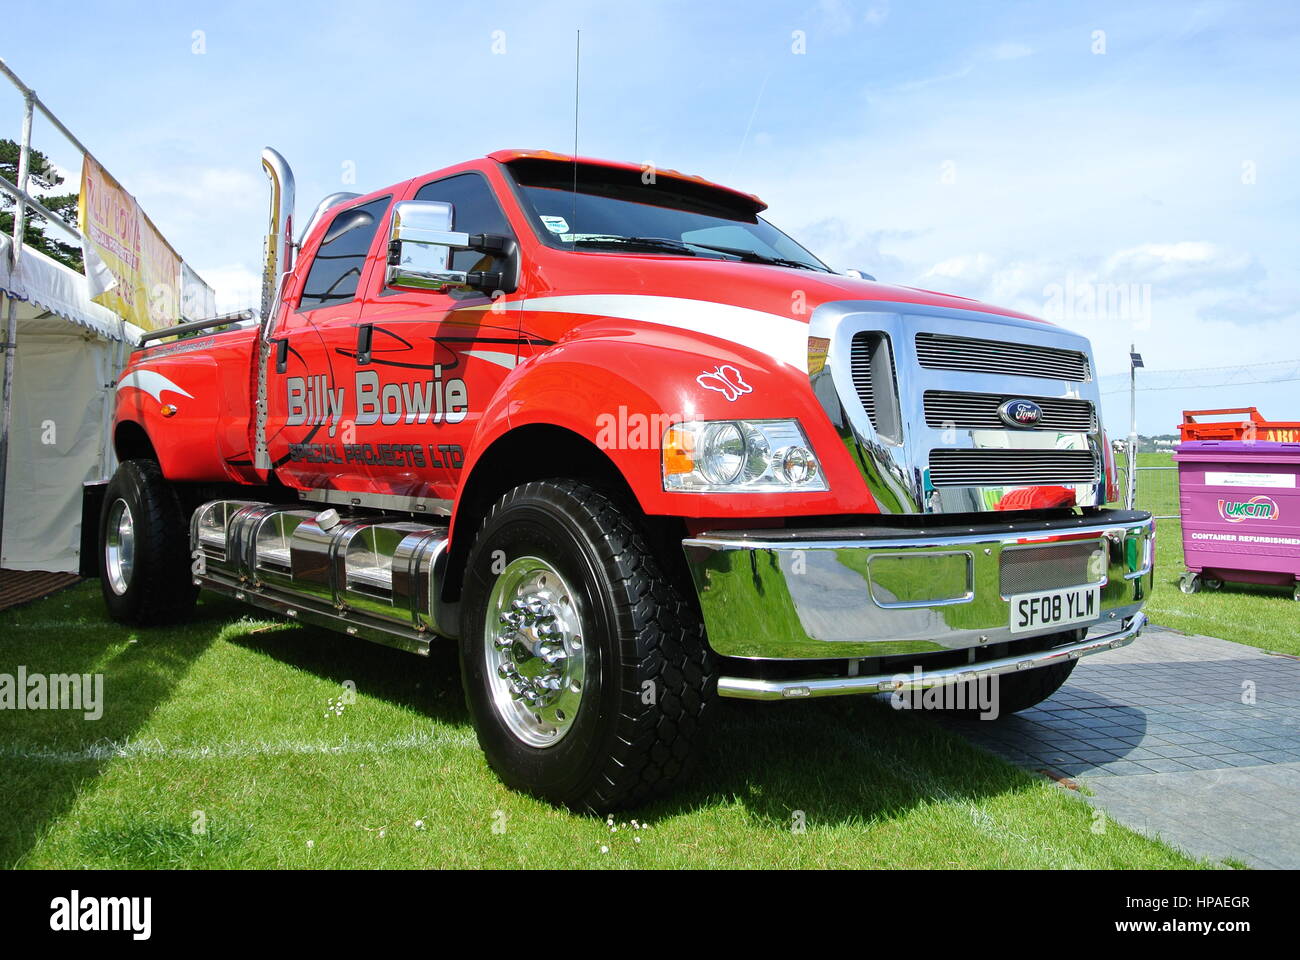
(946, 409)
(937, 351)
(1016, 468)
(914, 392)
(875, 380)
(862, 382)
(1050, 566)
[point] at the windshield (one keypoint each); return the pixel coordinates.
(614, 209)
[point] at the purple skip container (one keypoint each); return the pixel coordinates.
(1240, 508)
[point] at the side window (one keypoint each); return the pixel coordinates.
(475, 210)
(336, 269)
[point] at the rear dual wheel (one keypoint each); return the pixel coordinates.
(144, 547)
(585, 668)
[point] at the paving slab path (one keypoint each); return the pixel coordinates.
(1192, 739)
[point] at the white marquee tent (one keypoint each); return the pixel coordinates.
(69, 351)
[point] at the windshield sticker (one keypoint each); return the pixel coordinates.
(556, 224)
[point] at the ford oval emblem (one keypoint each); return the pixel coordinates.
(1021, 413)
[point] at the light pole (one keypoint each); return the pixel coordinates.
(1135, 361)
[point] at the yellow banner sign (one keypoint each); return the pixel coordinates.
(146, 270)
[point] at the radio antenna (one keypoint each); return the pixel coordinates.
(577, 68)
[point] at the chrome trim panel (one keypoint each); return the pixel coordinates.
(895, 463)
(813, 593)
(939, 352)
(746, 688)
(387, 634)
(397, 503)
(1021, 467)
(981, 411)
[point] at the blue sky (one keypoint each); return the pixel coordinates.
(1130, 169)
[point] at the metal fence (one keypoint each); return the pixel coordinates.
(1157, 488)
(1157, 491)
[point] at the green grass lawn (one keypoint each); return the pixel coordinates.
(1261, 616)
(227, 724)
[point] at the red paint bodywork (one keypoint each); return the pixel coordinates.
(572, 369)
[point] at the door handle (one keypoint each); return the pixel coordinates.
(365, 335)
(281, 355)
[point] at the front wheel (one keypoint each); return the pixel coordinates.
(144, 561)
(585, 668)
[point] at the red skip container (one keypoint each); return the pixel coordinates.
(1239, 487)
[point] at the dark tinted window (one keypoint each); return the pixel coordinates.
(336, 270)
(612, 202)
(475, 210)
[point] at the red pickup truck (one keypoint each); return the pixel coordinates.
(632, 448)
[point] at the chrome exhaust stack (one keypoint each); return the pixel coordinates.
(376, 577)
(277, 254)
(277, 261)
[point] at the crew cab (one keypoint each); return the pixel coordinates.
(631, 449)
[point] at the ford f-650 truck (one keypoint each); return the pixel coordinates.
(632, 449)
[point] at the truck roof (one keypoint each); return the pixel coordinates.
(506, 156)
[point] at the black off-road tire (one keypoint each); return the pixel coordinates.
(649, 691)
(159, 587)
(1028, 688)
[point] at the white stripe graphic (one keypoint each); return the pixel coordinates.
(501, 359)
(152, 383)
(783, 338)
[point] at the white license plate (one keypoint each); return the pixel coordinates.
(1054, 608)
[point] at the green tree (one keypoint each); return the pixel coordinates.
(43, 176)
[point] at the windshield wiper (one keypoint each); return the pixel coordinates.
(753, 256)
(647, 243)
(684, 247)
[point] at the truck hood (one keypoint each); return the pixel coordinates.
(763, 307)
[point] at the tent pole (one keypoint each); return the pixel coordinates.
(11, 326)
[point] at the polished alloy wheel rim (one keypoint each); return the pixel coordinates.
(119, 551)
(535, 652)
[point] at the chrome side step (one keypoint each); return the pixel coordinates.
(376, 577)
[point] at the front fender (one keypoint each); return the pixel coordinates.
(620, 388)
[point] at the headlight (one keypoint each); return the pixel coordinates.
(739, 456)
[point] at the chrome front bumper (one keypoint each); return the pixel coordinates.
(872, 591)
(746, 688)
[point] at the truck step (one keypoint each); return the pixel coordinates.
(379, 577)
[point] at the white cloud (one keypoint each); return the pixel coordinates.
(208, 187)
(1011, 50)
(236, 287)
(1186, 265)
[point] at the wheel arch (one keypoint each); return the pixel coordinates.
(540, 451)
(131, 442)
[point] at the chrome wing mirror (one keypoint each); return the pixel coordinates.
(422, 242)
(858, 274)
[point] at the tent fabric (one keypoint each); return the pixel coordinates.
(69, 350)
(56, 442)
(60, 290)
